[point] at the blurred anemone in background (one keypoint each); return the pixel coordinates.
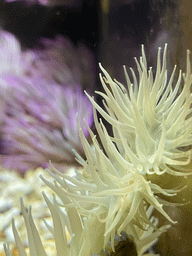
(13, 60)
(56, 60)
(67, 3)
(60, 61)
(40, 100)
(40, 123)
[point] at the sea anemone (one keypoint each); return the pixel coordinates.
(147, 139)
(13, 60)
(69, 4)
(116, 195)
(143, 239)
(60, 61)
(40, 93)
(73, 235)
(39, 122)
(77, 236)
(152, 120)
(113, 192)
(57, 61)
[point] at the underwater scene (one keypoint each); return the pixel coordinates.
(95, 128)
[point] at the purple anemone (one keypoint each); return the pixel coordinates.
(40, 124)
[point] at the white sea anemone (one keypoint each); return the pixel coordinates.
(74, 235)
(147, 137)
(144, 239)
(117, 195)
(151, 121)
(113, 193)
